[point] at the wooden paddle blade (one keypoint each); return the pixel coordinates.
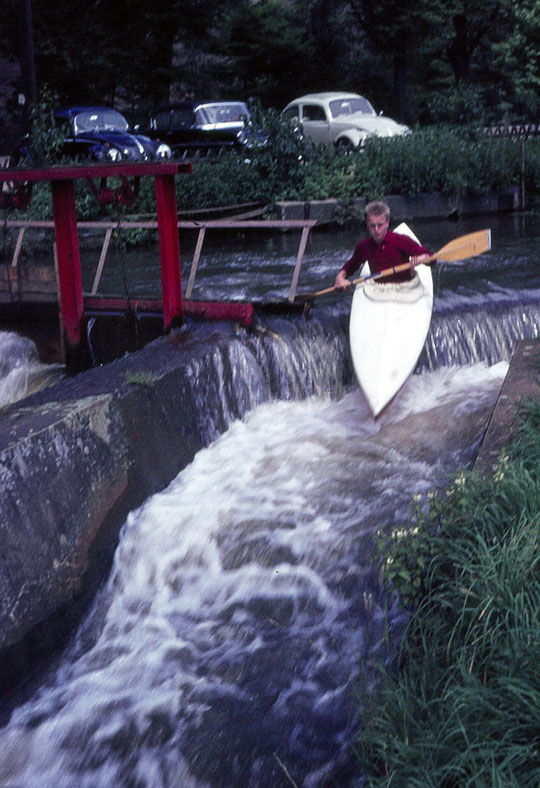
(465, 246)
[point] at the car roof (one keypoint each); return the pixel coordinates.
(75, 110)
(195, 104)
(328, 96)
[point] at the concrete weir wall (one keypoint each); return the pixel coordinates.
(432, 205)
(74, 460)
(522, 381)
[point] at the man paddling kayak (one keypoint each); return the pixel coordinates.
(383, 249)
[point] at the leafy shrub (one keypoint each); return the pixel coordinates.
(229, 181)
(42, 145)
(443, 160)
(278, 154)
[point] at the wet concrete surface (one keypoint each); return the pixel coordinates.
(522, 381)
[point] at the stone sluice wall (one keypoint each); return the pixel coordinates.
(74, 460)
(77, 457)
(522, 381)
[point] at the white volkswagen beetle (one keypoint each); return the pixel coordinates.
(343, 119)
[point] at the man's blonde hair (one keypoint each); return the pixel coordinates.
(377, 209)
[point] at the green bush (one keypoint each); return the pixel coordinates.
(231, 180)
(444, 160)
(464, 708)
(441, 159)
(42, 145)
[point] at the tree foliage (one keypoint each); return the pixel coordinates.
(516, 61)
(448, 60)
(267, 47)
(399, 35)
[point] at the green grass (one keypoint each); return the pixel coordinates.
(140, 377)
(463, 709)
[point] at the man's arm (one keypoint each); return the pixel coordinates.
(341, 283)
(417, 253)
(353, 264)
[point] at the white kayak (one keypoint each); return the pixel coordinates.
(388, 328)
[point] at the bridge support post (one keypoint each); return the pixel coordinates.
(169, 251)
(69, 264)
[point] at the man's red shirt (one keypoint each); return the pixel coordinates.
(394, 250)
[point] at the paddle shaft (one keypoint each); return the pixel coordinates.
(387, 272)
(458, 249)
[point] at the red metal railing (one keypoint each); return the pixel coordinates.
(62, 180)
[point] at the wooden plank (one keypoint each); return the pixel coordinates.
(101, 263)
(263, 224)
(299, 258)
(195, 261)
(230, 223)
(18, 246)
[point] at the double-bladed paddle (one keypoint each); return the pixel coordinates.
(459, 249)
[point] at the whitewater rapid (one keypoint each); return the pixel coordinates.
(244, 617)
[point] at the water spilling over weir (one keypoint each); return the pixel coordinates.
(244, 618)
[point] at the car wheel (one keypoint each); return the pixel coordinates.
(345, 145)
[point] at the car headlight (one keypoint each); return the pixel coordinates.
(163, 151)
(241, 137)
(113, 154)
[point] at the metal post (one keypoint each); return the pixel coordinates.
(169, 251)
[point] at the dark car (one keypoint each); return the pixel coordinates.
(103, 134)
(206, 127)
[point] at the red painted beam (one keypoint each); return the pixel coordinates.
(72, 172)
(62, 180)
(208, 310)
(221, 310)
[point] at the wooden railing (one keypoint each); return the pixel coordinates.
(235, 223)
(515, 131)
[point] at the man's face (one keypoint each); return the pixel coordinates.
(377, 227)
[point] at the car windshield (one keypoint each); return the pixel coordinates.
(235, 112)
(348, 106)
(99, 120)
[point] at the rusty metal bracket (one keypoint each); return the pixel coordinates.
(128, 191)
(126, 194)
(17, 195)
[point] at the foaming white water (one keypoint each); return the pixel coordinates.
(21, 372)
(244, 601)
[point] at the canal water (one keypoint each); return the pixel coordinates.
(244, 619)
